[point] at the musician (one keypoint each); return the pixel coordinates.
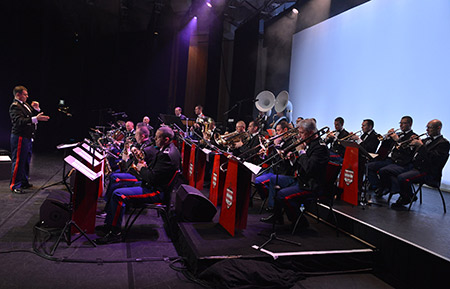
(146, 121)
(369, 138)
(156, 176)
(199, 111)
(247, 149)
(179, 114)
(24, 119)
(129, 127)
(282, 173)
(279, 116)
(337, 150)
(311, 164)
(198, 127)
(127, 176)
(369, 142)
(298, 120)
(430, 156)
(382, 174)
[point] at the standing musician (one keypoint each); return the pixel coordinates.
(337, 150)
(381, 173)
(311, 165)
(282, 174)
(430, 156)
(24, 119)
(156, 177)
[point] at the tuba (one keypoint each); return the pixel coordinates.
(282, 104)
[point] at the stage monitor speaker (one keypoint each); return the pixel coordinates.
(54, 212)
(192, 206)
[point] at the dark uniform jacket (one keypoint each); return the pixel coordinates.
(432, 156)
(22, 124)
(370, 144)
(159, 173)
(312, 166)
(335, 146)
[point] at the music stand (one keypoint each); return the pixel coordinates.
(64, 176)
(70, 225)
(362, 153)
(273, 236)
(169, 119)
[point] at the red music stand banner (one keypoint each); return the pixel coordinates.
(217, 180)
(185, 158)
(236, 194)
(349, 174)
(191, 167)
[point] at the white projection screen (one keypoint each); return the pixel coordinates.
(381, 60)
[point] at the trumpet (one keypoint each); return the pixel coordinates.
(405, 143)
(387, 135)
(358, 133)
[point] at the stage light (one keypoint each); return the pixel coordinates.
(208, 4)
(295, 11)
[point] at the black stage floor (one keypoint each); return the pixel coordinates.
(149, 258)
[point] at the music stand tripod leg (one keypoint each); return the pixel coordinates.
(273, 235)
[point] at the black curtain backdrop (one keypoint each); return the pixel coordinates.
(244, 71)
(82, 54)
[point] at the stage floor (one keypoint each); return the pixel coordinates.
(146, 260)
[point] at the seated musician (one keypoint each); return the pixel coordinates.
(369, 142)
(129, 126)
(249, 146)
(156, 176)
(236, 145)
(382, 174)
(178, 113)
(146, 122)
(311, 164)
(127, 176)
(337, 150)
(430, 156)
(282, 173)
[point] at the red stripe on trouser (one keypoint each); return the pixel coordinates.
(16, 166)
(117, 214)
(143, 196)
(413, 178)
(125, 180)
(288, 198)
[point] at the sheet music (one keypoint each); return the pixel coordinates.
(86, 156)
(79, 166)
(5, 159)
(90, 149)
(252, 167)
(66, 145)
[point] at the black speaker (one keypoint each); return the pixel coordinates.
(54, 212)
(192, 206)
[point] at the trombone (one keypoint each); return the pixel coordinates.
(358, 133)
(292, 146)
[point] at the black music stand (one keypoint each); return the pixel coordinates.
(66, 232)
(273, 236)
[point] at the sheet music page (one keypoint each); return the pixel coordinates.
(82, 153)
(252, 167)
(79, 166)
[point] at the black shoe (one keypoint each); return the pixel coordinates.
(379, 193)
(18, 191)
(109, 238)
(269, 209)
(27, 186)
(272, 218)
(102, 230)
(401, 202)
